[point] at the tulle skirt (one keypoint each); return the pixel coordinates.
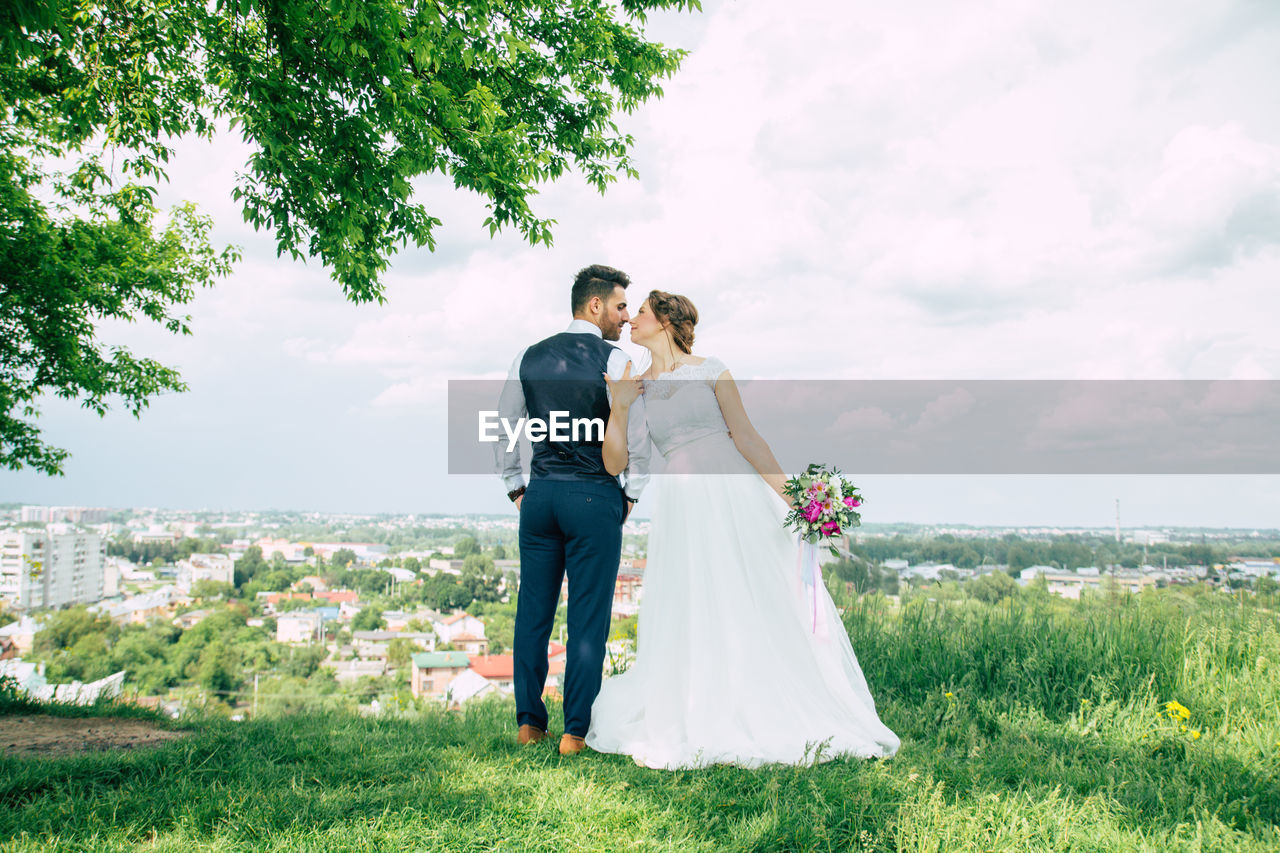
(737, 661)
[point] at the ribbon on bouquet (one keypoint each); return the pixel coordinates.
(810, 577)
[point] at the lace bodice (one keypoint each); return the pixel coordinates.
(681, 405)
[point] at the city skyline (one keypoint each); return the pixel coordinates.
(1131, 517)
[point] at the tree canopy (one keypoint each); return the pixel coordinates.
(343, 103)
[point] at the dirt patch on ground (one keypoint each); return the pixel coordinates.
(31, 735)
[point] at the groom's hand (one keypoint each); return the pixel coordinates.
(519, 500)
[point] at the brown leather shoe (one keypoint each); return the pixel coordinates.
(571, 744)
(530, 734)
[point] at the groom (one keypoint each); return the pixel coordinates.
(572, 511)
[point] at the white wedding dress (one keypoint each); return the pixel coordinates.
(737, 661)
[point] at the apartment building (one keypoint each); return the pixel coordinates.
(205, 567)
(51, 568)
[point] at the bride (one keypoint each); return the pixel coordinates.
(730, 665)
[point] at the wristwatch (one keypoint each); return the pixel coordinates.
(515, 493)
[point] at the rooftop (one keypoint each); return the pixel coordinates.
(494, 666)
(440, 660)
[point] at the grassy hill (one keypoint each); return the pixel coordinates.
(1056, 735)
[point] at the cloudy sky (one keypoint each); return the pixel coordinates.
(927, 190)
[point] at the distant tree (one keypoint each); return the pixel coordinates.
(366, 580)
(1070, 554)
(863, 574)
(303, 661)
(444, 591)
(1200, 555)
(465, 547)
(219, 668)
(189, 658)
(992, 587)
(193, 545)
(343, 558)
(206, 589)
(499, 552)
(270, 580)
(1021, 556)
(345, 105)
(399, 652)
(142, 652)
(368, 619)
(249, 565)
(480, 578)
(412, 564)
(63, 629)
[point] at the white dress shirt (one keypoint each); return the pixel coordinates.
(511, 405)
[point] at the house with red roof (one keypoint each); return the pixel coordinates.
(440, 674)
(271, 599)
(339, 596)
(498, 670)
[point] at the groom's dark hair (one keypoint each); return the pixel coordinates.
(595, 280)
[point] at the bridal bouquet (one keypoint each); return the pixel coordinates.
(824, 504)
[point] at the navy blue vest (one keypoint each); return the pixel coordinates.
(565, 373)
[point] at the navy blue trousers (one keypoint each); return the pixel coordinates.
(568, 527)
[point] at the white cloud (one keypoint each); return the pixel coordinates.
(864, 419)
(943, 409)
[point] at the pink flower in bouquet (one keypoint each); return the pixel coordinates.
(813, 511)
(851, 501)
(831, 528)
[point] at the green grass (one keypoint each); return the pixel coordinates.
(1055, 738)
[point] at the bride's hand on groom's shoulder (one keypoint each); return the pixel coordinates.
(624, 391)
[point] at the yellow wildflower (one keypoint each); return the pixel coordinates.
(1195, 735)
(950, 695)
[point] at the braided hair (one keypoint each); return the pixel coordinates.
(676, 313)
